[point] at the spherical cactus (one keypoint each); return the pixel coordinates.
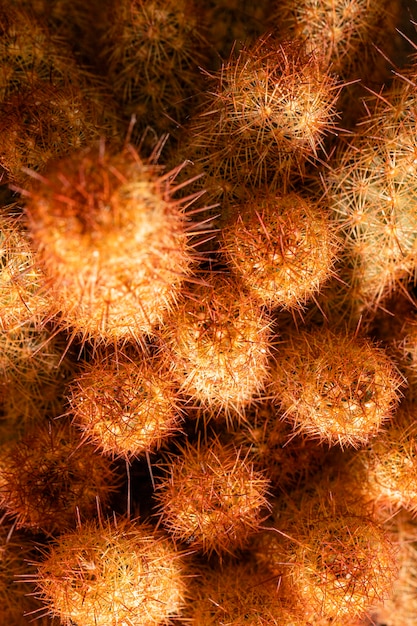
(266, 115)
(125, 406)
(211, 498)
(151, 51)
(48, 478)
(113, 573)
(332, 558)
(334, 386)
(219, 341)
(283, 247)
(112, 240)
(344, 565)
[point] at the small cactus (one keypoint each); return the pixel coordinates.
(283, 247)
(218, 339)
(112, 241)
(335, 387)
(112, 573)
(48, 477)
(212, 498)
(125, 406)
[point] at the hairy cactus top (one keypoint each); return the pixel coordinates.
(112, 241)
(112, 574)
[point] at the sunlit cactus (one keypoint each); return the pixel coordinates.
(112, 241)
(283, 247)
(212, 498)
(266, 113)
(335, 387)
(126, 406)
(219, 340)
(332, 557)
(117, 572)
(207, 313)
(372, 193)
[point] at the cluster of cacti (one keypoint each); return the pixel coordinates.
(208, 344)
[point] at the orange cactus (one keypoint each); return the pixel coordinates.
(335, 387)
(211, 498)
(112, 573)
(332, 557)
(283, 247)
(48, 477)
(112, 240)
(125, 406)
(219, 341)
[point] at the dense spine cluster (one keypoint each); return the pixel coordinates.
(207, 313)
(120, 573)
(112, 241)
(212, 498)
